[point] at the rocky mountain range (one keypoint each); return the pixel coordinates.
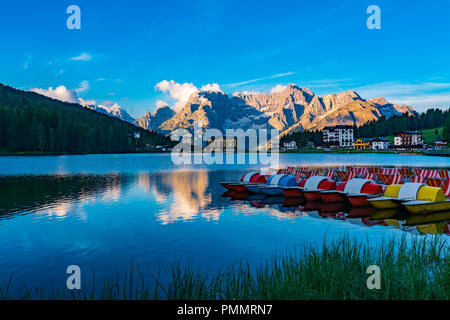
(154, 120)
(291, 109)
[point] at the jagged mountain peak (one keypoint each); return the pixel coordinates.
(161, 110)
(293, 87)
(153, 120)
(288, 108)
(380, 101)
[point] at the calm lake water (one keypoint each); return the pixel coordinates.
(104, 212)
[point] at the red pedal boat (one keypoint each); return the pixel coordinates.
(355, 190)
(248, 178)
(314, 185)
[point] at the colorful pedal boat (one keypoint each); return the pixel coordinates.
(276, 183)
(292, 192)
(315, 184)
(234, 186)
(356, 191)
(424, 206)
(247, 179)
(361, 199)
(398, 194)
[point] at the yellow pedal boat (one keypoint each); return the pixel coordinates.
(425, 206)
(397, 195)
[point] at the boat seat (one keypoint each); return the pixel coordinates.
(409, 190)
(248, 176)
(355, 185)
(314, 181)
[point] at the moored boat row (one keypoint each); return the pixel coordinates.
(416, 197)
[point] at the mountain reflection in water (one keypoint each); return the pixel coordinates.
(182, 195)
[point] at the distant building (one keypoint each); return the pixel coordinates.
(440, 144)
(223, 143)
(362, 144)
(380, 144)
(408, 140)
(290, 145)
(338, 136)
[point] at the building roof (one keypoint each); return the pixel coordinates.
(341, 126)
(380, 140)
(409, 131)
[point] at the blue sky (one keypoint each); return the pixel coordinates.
(125, 48)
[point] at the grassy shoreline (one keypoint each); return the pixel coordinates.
(353, 151)
(416, 269)
(36, 153)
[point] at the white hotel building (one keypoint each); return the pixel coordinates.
(338, 136)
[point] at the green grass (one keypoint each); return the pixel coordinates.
(428, 135)
(409, 270)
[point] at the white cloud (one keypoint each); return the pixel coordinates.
(278, 75)
(181, 92)
(84, 86)
(277, 88)
(86, 103)
(60, 93)
(161, 104)
(421, 96)
(82, 57)
(70, 95)
(110, 107)
(214, 87)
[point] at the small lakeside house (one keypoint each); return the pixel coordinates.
(407, 140)
(362, 144)
(440, 144)
(290, 145)
(380, 144)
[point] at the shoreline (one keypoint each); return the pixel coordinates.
(335, 151)
(32, 154)
(298, 151)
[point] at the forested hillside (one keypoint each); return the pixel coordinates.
(433, 118)
(30, 122)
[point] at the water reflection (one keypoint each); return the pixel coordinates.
(184, 195)
(58, 195)
(436, 223)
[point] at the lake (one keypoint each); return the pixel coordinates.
(106, 212)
